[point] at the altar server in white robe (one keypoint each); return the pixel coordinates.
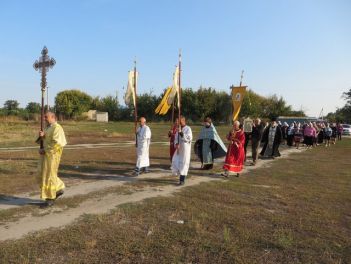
(143, 135)
(181, 157)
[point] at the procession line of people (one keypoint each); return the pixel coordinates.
(311, 134)
(207, 147)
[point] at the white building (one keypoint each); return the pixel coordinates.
(101, 116)
(91, 114)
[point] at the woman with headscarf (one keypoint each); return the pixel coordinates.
(340, 129)
(334, 134)
(320, 136)
(284, 129)
(309, 134)
(314, 124)
(290, 135)
(328, 132)
(298, 135)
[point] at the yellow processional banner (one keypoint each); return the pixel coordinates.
(163, 107)
(169, 95)
(238, 94)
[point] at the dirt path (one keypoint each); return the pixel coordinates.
(82, 146)
(80, 188)
(54, 218)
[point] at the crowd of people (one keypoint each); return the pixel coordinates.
(311, 134)
(207, 147)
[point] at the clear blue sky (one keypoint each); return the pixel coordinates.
(300, 49)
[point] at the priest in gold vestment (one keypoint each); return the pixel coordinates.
(53, 140)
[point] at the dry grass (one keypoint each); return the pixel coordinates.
(18, 170)
(297, 211)
(23, 133)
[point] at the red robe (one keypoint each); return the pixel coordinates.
(234, 160)
(172, 134)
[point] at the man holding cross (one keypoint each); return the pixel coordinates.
(54, 140)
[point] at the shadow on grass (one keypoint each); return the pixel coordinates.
(126, 170)
(202, 173)
(159, 181)
(77, 166)
(18, 159)
(19, 201)
(115, 175)
(161, 158)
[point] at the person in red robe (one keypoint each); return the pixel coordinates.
(171, 135)
(234, 160)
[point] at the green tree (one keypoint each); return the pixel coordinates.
(252, 105)
(72, 103)
(275, 107)
(96, 103)
(11, 107)
(189, 104)
(343, 114)
(33, 108)
(109, 104)
(147, 104)
(347, 97)
(222, 109)
(206, 102)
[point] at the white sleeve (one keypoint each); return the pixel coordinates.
(147, 134)
(176, 138)
(188, 135)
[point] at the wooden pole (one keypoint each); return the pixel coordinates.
(180, 87)
(43, 85)
(179, 94)
(135, 106)
(172, 120)
(47, 99)
(232, 108)
(241, 77)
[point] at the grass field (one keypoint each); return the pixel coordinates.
(18, 170)
(298, 210)
(23, 134)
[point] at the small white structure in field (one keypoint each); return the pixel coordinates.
(91, 115)
(101, 116)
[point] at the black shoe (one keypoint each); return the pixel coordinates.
(136, 172)
(59, 193)
(237, 175)
(225, 174)
(181, 180)
(47, 203)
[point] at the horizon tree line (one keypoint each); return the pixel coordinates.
(196, 105)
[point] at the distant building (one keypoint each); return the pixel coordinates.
(94, 115)
(101, 116)
(91, 115)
